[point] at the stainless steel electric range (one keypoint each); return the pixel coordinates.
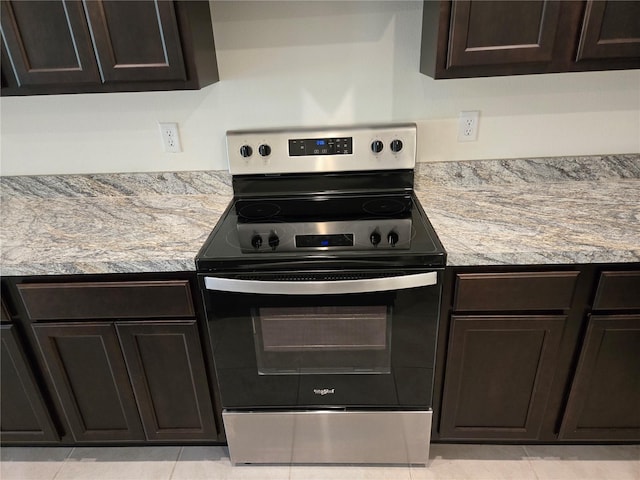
(322, 284)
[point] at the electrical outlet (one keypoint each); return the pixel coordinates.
(170, 137)
(468, 126)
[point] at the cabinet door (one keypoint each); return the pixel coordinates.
(610, 29)
(136, 40)
(502, 32)
(48, 42)
(90, 377)
(23, 413)
(499, 371)
(166, 366)
(604, 402)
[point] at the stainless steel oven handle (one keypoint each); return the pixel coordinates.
(365, 285)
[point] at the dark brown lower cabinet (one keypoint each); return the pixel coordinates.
(23, 413)
(130, 380)
(167, 371)
(536, 354)
(604, 402)
(499, 370)
(90, 378)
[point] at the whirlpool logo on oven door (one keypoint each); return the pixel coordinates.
(324, 391)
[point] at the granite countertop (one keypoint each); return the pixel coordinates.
(520, 212)
(111, 223)
(535, 211)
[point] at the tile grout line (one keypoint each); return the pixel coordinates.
(175, 464)
(62, 464)
(528, 456)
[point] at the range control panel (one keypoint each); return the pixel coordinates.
(310, 150)
(381, 234)
(320, 146)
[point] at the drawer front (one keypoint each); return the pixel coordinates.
(514, 291)
(103, 300)
(618, 291)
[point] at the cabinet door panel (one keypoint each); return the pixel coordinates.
(48, 42)
(167, 369)
(610, 29)
(491, 32)
(499, 372)
(23, 413)
(137, 40)
(604, 403)
(90, 377)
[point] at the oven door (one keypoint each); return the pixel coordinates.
(347, 339)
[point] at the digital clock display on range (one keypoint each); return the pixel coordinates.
(325, 240)
(304, 147)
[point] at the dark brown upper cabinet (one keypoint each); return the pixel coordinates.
(479, 38)
(48, 43)
(116, 27)
(610, 30)
(70, 46)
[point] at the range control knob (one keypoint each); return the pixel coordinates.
(396, 145)
(264, 150)
(246, 151)
(256, 241)
(377, 146)
(375, 238)
(392, 238)
(274, 241)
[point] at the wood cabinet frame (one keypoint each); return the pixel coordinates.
(569, 39)
(604, 303)
(180, 53)
(123, 358)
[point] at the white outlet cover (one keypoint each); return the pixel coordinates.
(170, 137)
(468, 123)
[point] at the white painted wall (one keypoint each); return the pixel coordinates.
(294, 63)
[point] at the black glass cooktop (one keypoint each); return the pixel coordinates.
(322, 231)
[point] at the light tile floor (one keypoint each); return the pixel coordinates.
(474, 462)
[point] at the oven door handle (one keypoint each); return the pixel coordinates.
(331, 287)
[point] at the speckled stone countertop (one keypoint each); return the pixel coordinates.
(111, 223)
(535, 211)
(520, 212)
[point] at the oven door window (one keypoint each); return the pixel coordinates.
(322, 339)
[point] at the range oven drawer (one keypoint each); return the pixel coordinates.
(382, 437)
